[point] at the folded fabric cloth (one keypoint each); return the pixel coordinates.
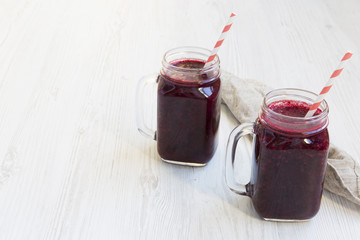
(244, 97)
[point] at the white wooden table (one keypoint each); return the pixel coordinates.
(72, 164)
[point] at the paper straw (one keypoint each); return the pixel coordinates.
(328, 85)
(220, 41)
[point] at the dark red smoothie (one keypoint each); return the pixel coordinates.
(188, 114)
(288, 173)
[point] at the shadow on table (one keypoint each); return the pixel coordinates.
(206, 186)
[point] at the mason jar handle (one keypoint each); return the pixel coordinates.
(142, 126)
(235, 135)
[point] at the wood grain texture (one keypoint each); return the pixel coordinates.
(73, 166)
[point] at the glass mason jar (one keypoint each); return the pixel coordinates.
(188, 107)
(289, 156)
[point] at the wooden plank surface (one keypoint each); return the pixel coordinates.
(73, 166)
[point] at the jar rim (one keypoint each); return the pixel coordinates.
(203, 52)
(287, 123)
(323, 106)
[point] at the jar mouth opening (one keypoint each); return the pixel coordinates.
(189, 53)
(295, 125)
(294, 94)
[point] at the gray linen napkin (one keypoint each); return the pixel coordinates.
(244, 97)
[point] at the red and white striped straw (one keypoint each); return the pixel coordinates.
(221, 40)
(328, 85)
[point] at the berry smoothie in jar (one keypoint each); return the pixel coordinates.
(289, 157)
(188, 107)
